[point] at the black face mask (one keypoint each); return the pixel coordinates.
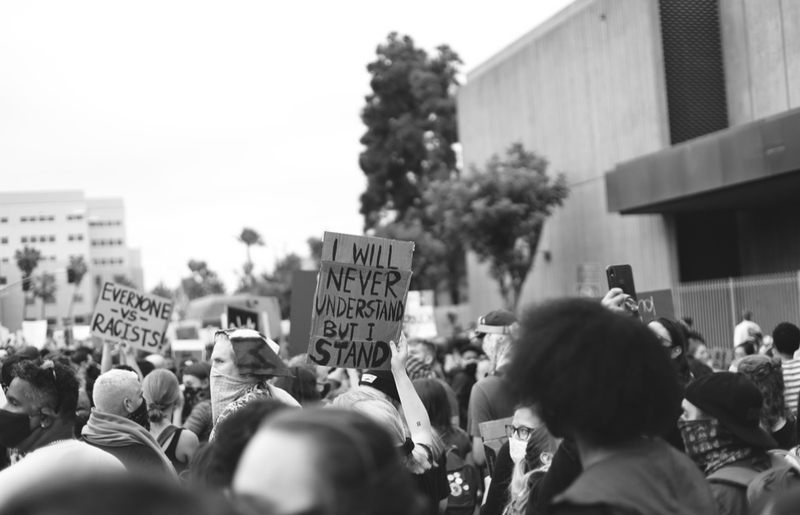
(14, 428)
(140, 416)
(471, 368)
(190, 394)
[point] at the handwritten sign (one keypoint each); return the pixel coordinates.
(655, 304)
(360, 301)
(123, 314)
(420, 320)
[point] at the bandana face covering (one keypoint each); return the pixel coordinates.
(140, 416)
(710, 445)
(225, 389)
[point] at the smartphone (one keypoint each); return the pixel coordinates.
(621, 276)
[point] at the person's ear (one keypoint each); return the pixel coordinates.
(428, 360)
(675, 352)
(48, 417)
(204, 383)
(129, 405)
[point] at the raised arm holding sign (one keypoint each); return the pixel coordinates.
(360, 301)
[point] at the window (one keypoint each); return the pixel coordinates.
(51, 218)
(42, 239)
(80, 237)
(42, 218)
(4, 220)
(23, 219)
(5, 260)
(3, 280)
(70, 237)
(51, 300)
(4, 240)
(30, 301)
(52, 321)
(52, 238)
(80, 320)
(52, 258)
(33, 239)
(24, 239)
(77, 298)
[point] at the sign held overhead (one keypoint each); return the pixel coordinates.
(360, 300)
(123, 314)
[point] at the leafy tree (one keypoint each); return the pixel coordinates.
(162, 290)
(124, 281)
(250, 237)
(277, 284)
(505, 207)
(45, 287)
(411, 126)
(315, 248)
(77, 270)
(202, 282)
(27, 260)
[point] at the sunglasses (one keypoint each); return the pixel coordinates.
(519, 432)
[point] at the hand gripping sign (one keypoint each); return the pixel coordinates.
(123, 314)
(360, 301)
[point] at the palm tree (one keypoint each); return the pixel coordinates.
(250, 237)
(76, 270)
(45, 288)
(27, 260)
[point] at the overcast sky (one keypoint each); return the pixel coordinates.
(206, 117)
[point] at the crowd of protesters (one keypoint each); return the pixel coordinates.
(600, 414)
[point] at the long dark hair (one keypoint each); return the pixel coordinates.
(434, 398)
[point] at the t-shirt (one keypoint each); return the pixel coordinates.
(69, 459)
(433, 483)
(491, 399)
(200, 420)
(791, 379)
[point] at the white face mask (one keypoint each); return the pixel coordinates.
(517, 449)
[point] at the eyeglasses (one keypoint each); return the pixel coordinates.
(519, 432)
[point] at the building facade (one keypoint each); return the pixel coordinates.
(61, 224)
(677, 125)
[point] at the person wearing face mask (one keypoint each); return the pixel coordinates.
(241, 364)
(491, 398)
(38, 420)
(197, 401)
(521, 462)
(118, 425)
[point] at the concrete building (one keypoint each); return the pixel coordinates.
(677, 123)
(61, 224)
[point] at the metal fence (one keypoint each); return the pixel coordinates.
(716, 306)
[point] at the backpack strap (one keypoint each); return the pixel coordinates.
(736, 476)
(165, 434)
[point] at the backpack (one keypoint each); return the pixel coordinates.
(464, 484)
(783, 475)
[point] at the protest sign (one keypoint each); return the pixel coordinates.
(655, 304)
(360, 301)
(420, 321)
(35, 333)
(243, 318)
(123, 314)
(304, 284)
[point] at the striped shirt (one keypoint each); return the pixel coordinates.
(791, 378)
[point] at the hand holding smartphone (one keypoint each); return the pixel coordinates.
(621, 276)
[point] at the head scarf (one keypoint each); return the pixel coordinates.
(710, 445)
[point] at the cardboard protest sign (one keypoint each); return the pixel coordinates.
(360, 301)
(655, 304)
(123, 314)
(420, 321)
(304, 285)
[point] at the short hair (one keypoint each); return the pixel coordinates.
(55, 387)
(768, 376)
(596, 374)
(786, 338)
(359, 471)
(113, 387)
(434, 397)
(161, 391)
(749, 346)
(199, 370)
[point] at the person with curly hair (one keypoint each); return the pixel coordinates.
(38, 420)
(776, 418)
(602, 380)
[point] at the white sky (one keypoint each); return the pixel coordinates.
(207, 117)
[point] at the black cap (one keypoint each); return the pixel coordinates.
(735, 401)
(496, 322)
(382, 381)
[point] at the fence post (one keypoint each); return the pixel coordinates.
(733, 305)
